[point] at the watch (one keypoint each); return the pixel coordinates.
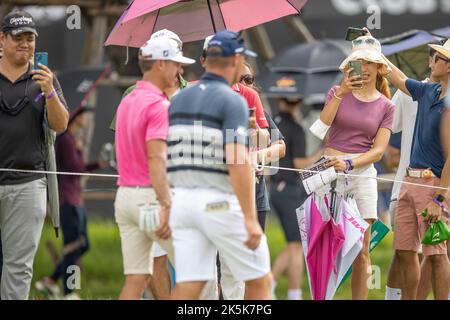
(350, 162)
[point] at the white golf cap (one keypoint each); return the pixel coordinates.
(162, 48)
(167, 34)
(207, 39)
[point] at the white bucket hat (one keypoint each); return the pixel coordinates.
(444, 50)
(366, 48)
(162, 48)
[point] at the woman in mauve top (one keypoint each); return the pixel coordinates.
(358, 115)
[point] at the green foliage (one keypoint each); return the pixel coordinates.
(102, 278)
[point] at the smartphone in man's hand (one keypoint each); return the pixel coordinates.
(353, 33)
(40, 58)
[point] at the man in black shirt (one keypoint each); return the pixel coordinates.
(26, 97)
(287, 194)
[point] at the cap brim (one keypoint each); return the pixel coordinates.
(183, 60)
(250, 53)
(445, 52)
(16, 32)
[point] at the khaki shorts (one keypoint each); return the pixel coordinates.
(409, 227)
(136, 244)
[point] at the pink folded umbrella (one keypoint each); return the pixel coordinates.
(325, 241)
(195, 19)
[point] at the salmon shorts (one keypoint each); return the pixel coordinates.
(409, 227)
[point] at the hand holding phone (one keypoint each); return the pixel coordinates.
(40, 58)
(353, 33)
(356, 65)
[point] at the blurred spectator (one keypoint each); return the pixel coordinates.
(287, 195)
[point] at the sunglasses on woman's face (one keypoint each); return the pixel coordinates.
(437, 57)
(248, 79)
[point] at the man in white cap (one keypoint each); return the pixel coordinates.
(159, 283)
(141, 133)
(430, 166)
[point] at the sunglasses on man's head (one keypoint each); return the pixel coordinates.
(437, 57)
(248, 79)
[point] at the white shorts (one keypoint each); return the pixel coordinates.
(136, 244)
(198, 232)
(364, 190)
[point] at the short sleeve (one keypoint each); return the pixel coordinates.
(235, 120)
(330, 94)
(396, 140)
(416, 88)
(299, 143)
(157, 122)
(399, 101)
(388, 117)
(59, 92)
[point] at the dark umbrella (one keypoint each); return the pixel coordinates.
(409, 50)
(311, 87)
(317, 56)
(306, 70)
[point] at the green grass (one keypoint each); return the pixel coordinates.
(102, 278)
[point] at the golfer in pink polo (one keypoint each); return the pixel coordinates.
(141, 133)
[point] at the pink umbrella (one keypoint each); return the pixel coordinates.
(195, 19)
(326, 238)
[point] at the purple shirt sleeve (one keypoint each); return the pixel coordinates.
(330, 94)
(388, 118)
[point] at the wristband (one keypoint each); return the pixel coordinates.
(334, 94)
(444, 209)
(349, 164)
(319, 129)
(51, 95)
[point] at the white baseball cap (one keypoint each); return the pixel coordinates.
(207, 39)
(162, 48)
(167, 34)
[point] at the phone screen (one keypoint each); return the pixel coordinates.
(42, 58)
(356, 65)
(353, 33)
